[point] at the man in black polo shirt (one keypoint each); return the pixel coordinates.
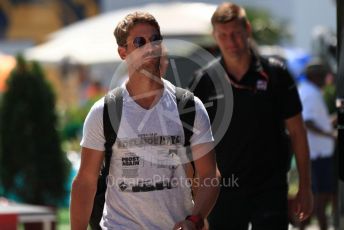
(255, 148)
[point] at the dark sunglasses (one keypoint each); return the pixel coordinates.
(141, 41)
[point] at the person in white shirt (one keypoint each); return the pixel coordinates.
(145, 187)
(320, 138)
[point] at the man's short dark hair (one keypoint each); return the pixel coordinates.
(227, 12)
(316, 68)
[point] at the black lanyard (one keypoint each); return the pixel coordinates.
(262, 73)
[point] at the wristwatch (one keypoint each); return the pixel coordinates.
(197, 220)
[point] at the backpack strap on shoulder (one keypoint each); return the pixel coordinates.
(187, 113)
(112, 113)
(113, 103)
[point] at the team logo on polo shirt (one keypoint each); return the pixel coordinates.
(262, 85)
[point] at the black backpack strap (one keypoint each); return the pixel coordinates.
(187, 113)
(113, 104)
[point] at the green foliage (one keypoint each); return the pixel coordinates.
(330, 98)
(33, 167)
(63, 221)
(266, 30)
(73, 120)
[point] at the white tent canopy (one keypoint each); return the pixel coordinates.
(91, 41)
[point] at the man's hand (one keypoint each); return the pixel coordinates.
(302, 205)
(184, 225)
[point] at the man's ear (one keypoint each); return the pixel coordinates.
(122, 52)
(213, 33)
(249, 29)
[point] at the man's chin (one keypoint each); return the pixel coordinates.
(149, 68)
(150, 62)
(235, 51)
(151, 59)
(232, 50)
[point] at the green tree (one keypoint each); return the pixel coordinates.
(266, 30)
(33, 167)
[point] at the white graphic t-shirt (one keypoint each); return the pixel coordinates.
(147, 186)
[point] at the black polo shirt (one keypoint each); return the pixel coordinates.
(255, 148)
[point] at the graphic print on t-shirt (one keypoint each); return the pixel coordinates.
(130, 165)
(148, 162)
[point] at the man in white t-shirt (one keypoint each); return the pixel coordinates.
(320, 138)
(147, 186)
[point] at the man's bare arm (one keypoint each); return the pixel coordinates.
(207, 183)
(299, 142)
(314, 128)
(84, 188)
(209, 179)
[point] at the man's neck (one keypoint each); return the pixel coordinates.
(237, 66)
(145, 88)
